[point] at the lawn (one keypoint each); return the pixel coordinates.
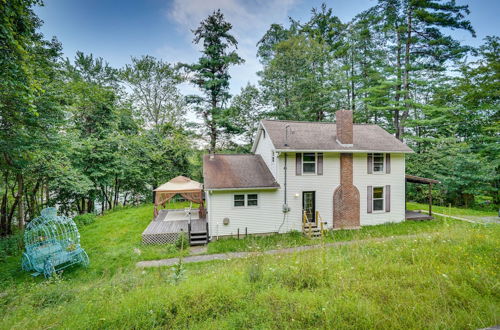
(261, 243)
(447, 277)
(454, 211)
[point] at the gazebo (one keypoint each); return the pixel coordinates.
(187, 188)
(168, 224)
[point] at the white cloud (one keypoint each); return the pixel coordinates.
(250, 20)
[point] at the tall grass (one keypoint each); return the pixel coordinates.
(445, 279)
(277, 241)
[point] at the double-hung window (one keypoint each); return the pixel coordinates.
(378, 198)
(252, 199)
(309, 163)
(239, 200)
(378, 163)
(242, 200)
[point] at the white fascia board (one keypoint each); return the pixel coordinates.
(239, 189)
(347, 151)
(258, 136)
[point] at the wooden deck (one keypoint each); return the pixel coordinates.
(169, 224)
(417, 216)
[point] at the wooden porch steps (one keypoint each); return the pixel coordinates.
(313, 232)
(198, 238)
(197, 235)
(313, 229)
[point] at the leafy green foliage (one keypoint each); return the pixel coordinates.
(182, 241)
(211, 73)
(449, 274)
(84, 219)
(11, 245)
(155, 93)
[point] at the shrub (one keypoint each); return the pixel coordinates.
(182, 241)
(178, 272)
(11, 245)
(254, 271)
(84, 219)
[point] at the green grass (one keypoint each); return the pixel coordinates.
(456, 211)
(261, 243)
(448, 277)
(115, 241)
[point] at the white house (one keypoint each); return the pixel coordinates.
(341, 174)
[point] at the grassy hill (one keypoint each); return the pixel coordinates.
(447, 277)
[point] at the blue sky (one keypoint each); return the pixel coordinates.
(117, 30)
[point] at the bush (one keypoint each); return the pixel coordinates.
(84, 219)
(11, 245)
(182, 241)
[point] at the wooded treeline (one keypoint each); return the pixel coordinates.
(77, 133)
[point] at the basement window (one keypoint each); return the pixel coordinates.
(309, 163)
(378, 163)
(378, 198)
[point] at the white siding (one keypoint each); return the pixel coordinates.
(323, 186)
(396, 179)
(268, 216)
(265, 148)
(264, 218)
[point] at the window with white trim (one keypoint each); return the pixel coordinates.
(378, 198)
(272, 156)
(252, 200)
(378, 162)
(242, 200)
(309, 163)
(239, 200)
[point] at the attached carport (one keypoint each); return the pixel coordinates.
(412, 215)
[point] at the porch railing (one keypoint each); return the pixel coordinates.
(308, 227)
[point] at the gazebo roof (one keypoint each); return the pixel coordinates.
(180, 184)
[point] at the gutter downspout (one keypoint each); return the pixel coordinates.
(285, 174)
(285, 205)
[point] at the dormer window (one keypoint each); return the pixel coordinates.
(378, 163)
(309, 163)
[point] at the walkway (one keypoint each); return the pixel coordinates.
(471, 219)
(239, 255)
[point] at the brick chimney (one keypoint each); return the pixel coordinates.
(346, 209)
(344, 127)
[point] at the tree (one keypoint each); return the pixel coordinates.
(155, 92)
(417, 47)
(246, 111)
(29, 112)
(211, 73)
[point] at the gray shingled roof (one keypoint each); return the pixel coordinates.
(236, 172)
(323, 136)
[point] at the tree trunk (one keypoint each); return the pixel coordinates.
(20, 192)
(396, 119)
(353, 94)
(3, 211)
(47, 194)
(406, 81)
(90, 205)
(117, 192)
